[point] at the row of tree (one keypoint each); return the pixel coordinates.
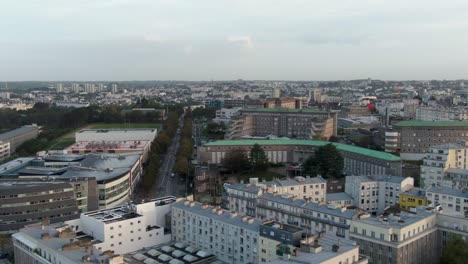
(185, 151)
(159, 147)
(237, 160)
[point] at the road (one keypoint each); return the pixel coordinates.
(168, 184)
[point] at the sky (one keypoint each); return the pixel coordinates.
(82, 40)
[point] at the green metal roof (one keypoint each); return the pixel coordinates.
(299, 142)
(284, 110)
(421, 123)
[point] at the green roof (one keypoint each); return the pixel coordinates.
(421, 123)
(303, 142)
(284, 110)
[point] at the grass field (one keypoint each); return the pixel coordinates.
(116, 126)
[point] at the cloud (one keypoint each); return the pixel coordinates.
(188, 49)
(152, 38)
(244, 40)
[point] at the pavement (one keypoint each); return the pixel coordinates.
(170, 184)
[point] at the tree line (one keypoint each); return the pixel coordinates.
(185, 151)
(159, 147)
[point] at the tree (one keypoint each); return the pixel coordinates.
(258, 158)
(235, 160)
(327, 162)
(455, 252)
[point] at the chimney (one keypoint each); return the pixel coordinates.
(335, 248)
(233, 214)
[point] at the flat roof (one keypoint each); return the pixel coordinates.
(123, 130)
(448, 191)
(135, 145)
(421, 123)
(305, 142)
(285, 110)
(405, 219)
(225, 217)
(19, 131)
(115, 214)
(338, 196)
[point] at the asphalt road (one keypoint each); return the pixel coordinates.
(168, 184)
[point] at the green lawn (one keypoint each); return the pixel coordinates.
(60, 143)
(117, 126)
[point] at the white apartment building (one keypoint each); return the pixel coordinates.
(99, 135)
(310, 215)
(230, 237)
(438, 160)
(97, 235)
(453, 202)
(375, 193)
(242, 197)
(58, 244)
(129, 227)
(441, 113)
(340, 199)
(225, 114)
(448, 226)
(4, 150)
(407, 238)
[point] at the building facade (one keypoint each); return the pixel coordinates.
(292, 123)
(19, 136)
(357, 161)
(440, 159)
(416, 136)
(375, 193)
(4, 150)
(230, 237)
(451, 201)
(410, 237)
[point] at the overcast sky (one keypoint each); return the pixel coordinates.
(232, 39)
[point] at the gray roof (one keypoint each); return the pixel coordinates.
(106, 160)
(224, 217)
(15, 165)
(338, 196)
(369, 178)
(449, 146)
(19, 131)
(99, 174)
(415, 192)
(327, 242)
(297, 181)
(405, 219)
(244, 187)
(316, 207)
(457, 171)
(449, 191)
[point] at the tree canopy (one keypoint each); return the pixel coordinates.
(326, 162)
(258, 158)
(455, 252)
(235, 160)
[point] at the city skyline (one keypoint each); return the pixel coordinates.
(222, 40)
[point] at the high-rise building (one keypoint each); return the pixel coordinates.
(439, 160)
(100, 87)
(276, 92)
(90, 88)
(75, 87)
(59, 87)
(114, 88)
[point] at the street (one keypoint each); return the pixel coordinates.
(169, 185)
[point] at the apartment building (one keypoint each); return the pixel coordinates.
(417, 136)
(4, 150)
(440, 159)
(312, 216)
(405, 238)
(452, 201)
(20, 135)
(283, 122)
(96, 237)
(357, 160)
(375, 193)
(448, 226)
(57, 243)
(226, 114)
(128, 227)
(230, 237)
(339, 199)
(413, 198)
(242, 197)
(441, 114)
(27, 202)
(282, 243)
